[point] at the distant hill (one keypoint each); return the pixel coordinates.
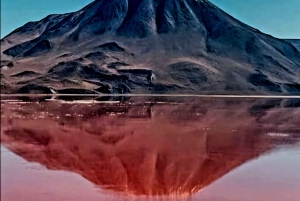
(295, 42)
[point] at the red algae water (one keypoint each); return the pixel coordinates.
(146, 148)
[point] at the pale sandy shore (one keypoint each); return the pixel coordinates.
(153, 95)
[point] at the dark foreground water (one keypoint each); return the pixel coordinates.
(150, 148)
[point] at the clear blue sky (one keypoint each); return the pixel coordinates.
(280, 18)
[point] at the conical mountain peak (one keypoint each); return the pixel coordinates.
(189, 46)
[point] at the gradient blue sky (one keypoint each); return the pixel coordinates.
(280, 18)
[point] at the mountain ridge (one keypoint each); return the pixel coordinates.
(187, 42)
(295, 42)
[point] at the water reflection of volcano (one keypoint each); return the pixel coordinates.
(179, 150)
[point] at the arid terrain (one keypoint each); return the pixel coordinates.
(147, 46)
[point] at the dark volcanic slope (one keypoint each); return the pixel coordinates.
(150, 46)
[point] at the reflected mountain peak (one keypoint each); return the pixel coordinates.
(148, 149)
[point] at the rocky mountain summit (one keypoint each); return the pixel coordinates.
(147, 46)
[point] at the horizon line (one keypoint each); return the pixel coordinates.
(158, 95)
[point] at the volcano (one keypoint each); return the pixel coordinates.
(147, 46)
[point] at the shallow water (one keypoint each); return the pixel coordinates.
(150, 148)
